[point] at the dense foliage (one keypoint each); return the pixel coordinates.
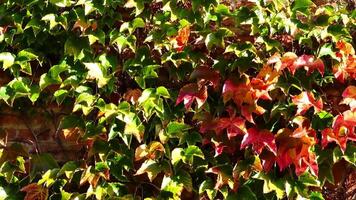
(182, 99)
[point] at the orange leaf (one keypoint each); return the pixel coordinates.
(306, 100)
(182, 38)
(234, 126)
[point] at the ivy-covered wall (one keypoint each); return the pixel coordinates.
(177, 99)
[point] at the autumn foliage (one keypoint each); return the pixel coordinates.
(200, 99)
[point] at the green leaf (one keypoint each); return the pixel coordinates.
(42, 162)
(322, 120)
(7, 59)
(68, 169)
(98, 35)
(49, 177)
(316, 196)
(192, 151)
(301, 4)
(98, 72)
(175, 128)
(350, 153)
(61, 3)
(53, 76)
(122, 42)
(71, 121)
(208, 186)
(309, 180)
(326, 50)
(51, 18)
(163, 92)
(26, 55)
(243, 193)
(60, 95)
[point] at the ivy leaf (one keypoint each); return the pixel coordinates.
(206, 74)
(259, 139)
(208, 186)
(162, 91)
(152, 151)
(61, 3)
(132, 25)
(301, 4)
(53, 76)
(7, 59)
(191, 92)
(243, 193)
(306, 100)
(186, 155)
(134, 126)
(234, 126)
(35, 191)
(175, 184)
(152, 168)
(98, 72)
(176, 128)
(322, 120)
(342, 130)
(294, 147)
(182, 38)
(349, 97)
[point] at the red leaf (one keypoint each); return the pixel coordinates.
(305, 100)
(206, 74)
(281, 63)
(35, 192)
(259, 139)
(343, 129)
(309, 64)
(268, 159)
(191, 92)
(349, 96)
(234, 126)
(260, 89)
(207, 123)
(295, 148)
(292, 62)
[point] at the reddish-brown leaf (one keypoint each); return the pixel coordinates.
(35, 192)
(191, 92)
(239, 92)
(259, 139)
(267, 159)
(206, 75)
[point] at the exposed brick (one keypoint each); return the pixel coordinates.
(11, 121)
(39, 122)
